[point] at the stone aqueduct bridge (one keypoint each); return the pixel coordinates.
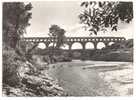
(71, 40)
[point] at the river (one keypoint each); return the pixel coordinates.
(94, 78)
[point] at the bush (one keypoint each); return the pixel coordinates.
(10, 68)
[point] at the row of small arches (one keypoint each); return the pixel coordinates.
(77, 45)
(93, 39)
(97, 39)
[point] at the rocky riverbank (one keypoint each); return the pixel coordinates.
(25, 78)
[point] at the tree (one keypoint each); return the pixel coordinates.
(98, 16)
(58, 34)
(16, 17)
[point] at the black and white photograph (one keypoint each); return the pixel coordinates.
(67, 48)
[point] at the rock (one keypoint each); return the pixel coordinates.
(33, 82)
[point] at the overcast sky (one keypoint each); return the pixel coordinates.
(65, 14)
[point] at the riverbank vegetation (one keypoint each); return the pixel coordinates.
(22, 75)
(122, 51)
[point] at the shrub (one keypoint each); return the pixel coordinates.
(10, 68)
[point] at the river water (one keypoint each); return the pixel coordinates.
(94, 78)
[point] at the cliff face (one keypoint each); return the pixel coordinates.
(122, 51)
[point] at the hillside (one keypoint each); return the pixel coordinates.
(122, 51)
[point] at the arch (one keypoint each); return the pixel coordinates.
(37, 40)
(77, 45)
(100, 45)
(30, 40)
(40, 39)
(89, 45)
(110, 43)
(51, 44)
(78, 39)
(41, 45)
(65, 47)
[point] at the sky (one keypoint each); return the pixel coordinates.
(65, 14)
(46, 13)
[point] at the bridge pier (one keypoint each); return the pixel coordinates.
(47, 45)
(106, 44)
(70, 45)
(83, 45)
(95, 45)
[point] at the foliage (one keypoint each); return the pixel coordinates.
(120, 51)
(16, 17)
(25, 49)
(100, 15)
(57, 33)
(10, 67)
(13, 61)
